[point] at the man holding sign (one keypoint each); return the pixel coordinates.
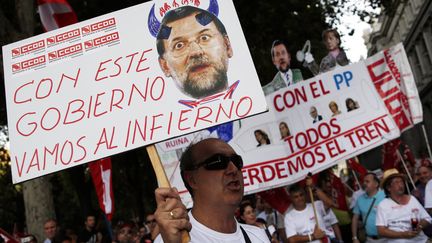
(211, 171)
(194, 49)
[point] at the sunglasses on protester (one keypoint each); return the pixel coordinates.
(219, 162)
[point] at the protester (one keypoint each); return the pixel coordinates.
(89, 233)
(152, 226)
(424, 176)
(275, 219)
(300, 225)
(400, 217)
(211, 171)
(50, 230)
(247, 216)
(125, 233)
(285, 76)
(365, 208)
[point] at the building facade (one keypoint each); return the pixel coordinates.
(411, 24)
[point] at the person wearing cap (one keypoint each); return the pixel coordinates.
(395, 213)
(211, 172)
(366, 207)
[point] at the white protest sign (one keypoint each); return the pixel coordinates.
(313, 124)
(99, 87)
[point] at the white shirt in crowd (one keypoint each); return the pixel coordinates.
(274, 218)
(201, 233)
(397, 217)
(428, 195)
(303, 222)
(329, 220)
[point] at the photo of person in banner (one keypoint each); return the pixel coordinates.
(336, 55)
(194, 50)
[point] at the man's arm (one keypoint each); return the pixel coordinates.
(354, 227)
(316, 235)
(337, 232)
(386, 232)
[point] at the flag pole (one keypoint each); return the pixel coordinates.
(406, 169)
(162, 178)
(427, 141)
(313, 204)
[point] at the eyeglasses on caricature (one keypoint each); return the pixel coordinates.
(220, 162)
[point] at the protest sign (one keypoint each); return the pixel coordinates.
(104, 86)
(315, 123)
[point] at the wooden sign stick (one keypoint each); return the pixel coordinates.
(162, 178)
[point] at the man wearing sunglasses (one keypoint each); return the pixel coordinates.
(211, 171)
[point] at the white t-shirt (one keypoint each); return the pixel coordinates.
(397, 217)
(270, 218)
(303, 222)
(201, 233)
(428, 195)
(329, 220)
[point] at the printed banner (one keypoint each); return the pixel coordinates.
(124, 80)
(315, 123)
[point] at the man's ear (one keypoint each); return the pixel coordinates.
(190, 179)
(228, 46)
(164, 66)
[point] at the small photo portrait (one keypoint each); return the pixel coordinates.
(334, 108)
(261, 137)
(351, 104)
(313, 112)
(284, 130)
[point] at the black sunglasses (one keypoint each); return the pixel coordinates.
(219, 162)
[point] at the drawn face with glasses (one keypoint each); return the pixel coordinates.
(196, 57)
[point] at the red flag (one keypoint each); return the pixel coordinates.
(55, 14)
(338, 192)
(390, 157)
(357, 167)
(277, 198)
(101, 174)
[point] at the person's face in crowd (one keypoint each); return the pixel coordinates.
(50, 229)
(151, 221)
(249, 215)
(90, 222)
(313, 112)
(351, 104)
(284, 131)
(215, 187)
(259, 204)
(425, 174)
(125, 235)
(298, 200)
(333, 107)
(331, 41)
(396, 186)
(281, 58)
(196, 57)
(142, 231)
(369, 184)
